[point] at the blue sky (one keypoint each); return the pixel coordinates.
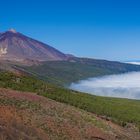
(105, 29)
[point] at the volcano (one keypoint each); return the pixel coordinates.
(18, 47)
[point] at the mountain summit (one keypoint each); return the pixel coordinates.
(16, 46)
(12, 30)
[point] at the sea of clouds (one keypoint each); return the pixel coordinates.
(121, 85)
(135, 63)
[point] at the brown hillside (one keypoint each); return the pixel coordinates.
(27, 116)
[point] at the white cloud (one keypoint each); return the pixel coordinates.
(135, 63)
(122, 85)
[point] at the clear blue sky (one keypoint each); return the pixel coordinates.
(107, 29)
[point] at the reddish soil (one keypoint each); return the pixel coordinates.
(27, 116)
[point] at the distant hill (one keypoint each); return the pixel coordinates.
(65, 72)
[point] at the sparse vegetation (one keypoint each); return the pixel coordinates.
(39, 118)
(121, 111)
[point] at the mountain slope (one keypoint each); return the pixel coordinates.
(74, 69)
(16, 46)
(38, 118)
(47, 119)
(120, 111)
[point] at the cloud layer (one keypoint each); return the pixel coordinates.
(135, 63)
(121, 85)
